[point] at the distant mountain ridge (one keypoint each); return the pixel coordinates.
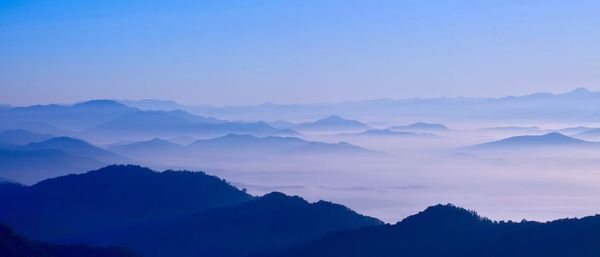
(178, 122)
(21, 137)
(577, 105)
(553, 139)
(332, 122)
(420, 126)
(77, 116)
(52, 157)
(247, 146)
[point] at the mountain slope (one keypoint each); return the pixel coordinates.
(21, 137)
(446, 230)
(12, 245)
(420, 126)
(32, 166)
(176, 122)
(70, 117)
(75, 147)
(273, 221)
(246, 144)
(553, 139)
(330, 123)
(65, 207)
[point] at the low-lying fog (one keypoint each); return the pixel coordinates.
(537, 183)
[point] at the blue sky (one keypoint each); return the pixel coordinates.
(247, 52)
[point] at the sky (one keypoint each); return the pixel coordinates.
(251, 51)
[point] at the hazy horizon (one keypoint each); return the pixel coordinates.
(299, 103)
(240, 53)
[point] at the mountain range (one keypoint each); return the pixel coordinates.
(420, 126)
(184, 214)
(56, 156)
(101, 119)
(171, 213)
(12, 245)
(234, 145)
(547, 141)
(21, 137)
(331, 123)
(446, 230)
(577, 105)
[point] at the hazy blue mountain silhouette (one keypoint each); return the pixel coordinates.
(153, 105)
(32, 166)
(56, 156)
(388, 132)
(142, 149)
(21, 137)
(446, 230)
(420, 126)
(75, 147)
(177, 122)
(577, 105)
(515, 129)
(270, 222)
(282, 124)
(272, 144)
(591, 133)
(64, 208)
(332, 122)
(70, 117)
(553, 139)
(234, 146)
(12, 245)
(574, 130)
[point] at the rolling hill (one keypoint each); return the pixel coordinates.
(446, 230)
(331, 123)
(549, 140)
(265, 224)
(21, 137)
(420, 126)
(64, 208)
(12, 245)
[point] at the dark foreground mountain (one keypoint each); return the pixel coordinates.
(445, 230)
(271, 222)
(12, 245)
(63, 208)
(172, 213)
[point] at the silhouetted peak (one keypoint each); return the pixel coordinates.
(445, 214)
(122, 169)
(428, 125)
(101, 103)
(278, 197)
(333, 118)
(555, 135)
(233, 136)
(63, 140)
(580, 91)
